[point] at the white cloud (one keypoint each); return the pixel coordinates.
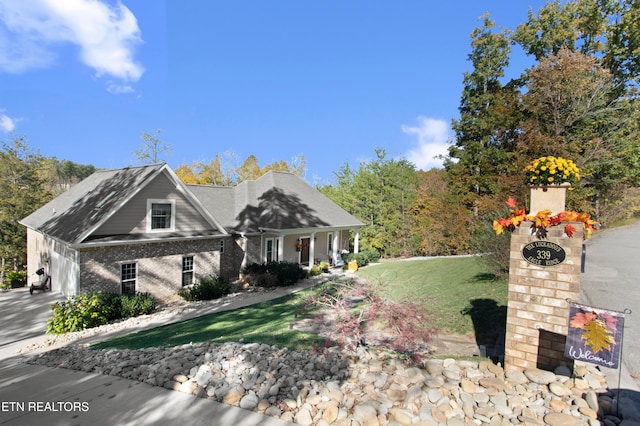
(7, 124)
(433, 140)
(117, 89)
(105, 35)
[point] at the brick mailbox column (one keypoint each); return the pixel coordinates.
(543, 275)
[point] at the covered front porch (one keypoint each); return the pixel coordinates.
(308, 247)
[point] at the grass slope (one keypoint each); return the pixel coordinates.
(267, 322)
(463, 296)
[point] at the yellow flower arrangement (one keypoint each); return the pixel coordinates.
(551, 170)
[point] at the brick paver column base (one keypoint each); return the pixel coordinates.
(537, 309)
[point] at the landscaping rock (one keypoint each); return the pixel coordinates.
(335, 387)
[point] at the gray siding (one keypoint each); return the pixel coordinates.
(133, 218)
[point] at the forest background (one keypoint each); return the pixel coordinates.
(578, 101)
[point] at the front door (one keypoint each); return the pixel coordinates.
(304, 252)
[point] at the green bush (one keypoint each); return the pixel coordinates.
(362, 258)
(261, 279)
(372, 256)
(20, 275)
(139, 304)
(112, 305)
(88, 310)
(80, 312)
(495, 249)
(359, 258)
(285, 273)
(315, 270)
(211, 287)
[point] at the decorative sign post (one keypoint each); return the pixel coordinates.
(595, 335)
(543, 275)
(544, 267)
(544, 253)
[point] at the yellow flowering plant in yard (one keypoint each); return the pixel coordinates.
(551, 170)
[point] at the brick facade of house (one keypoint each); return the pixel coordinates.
(159, 265)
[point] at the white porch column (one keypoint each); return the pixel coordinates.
(280, 247)
(312, 249)
(335, 246)
(356, 241)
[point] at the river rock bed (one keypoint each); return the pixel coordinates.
(360, 388)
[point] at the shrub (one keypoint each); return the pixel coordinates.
(371, 255)
(315, 270)
(495, 249)
(112, 305)
(88, 310)
(82, 311)
(20, 275)
(261, 279)
(285, 274)
(211, 287)
(139, 304)
(362, 258)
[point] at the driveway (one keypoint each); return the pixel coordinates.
(24, 315)
(611, 281)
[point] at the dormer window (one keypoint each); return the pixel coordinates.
(161, 215)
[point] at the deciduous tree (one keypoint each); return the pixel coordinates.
(23, 189)
(151, 148)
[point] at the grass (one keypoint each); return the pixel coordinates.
(266, 322)
(463, 296)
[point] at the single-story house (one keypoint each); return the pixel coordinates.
(141, 229)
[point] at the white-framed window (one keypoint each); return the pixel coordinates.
(187, 270)
(270, 252)
(128, 278)
(329, 243)
(221, 246)
(161, 215)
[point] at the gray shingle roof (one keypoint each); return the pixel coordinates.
(81, 208)
(276, 200)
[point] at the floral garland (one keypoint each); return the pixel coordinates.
(542, 221)
(551, 171)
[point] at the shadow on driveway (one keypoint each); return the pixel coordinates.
(25, 315)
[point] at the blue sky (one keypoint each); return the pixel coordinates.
(331, 80)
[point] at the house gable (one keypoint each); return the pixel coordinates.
(112, 205)
(276, 201)
(134, 218)
(284, 201)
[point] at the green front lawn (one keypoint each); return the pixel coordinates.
(459, 291)
(267, 322)
(464, 298)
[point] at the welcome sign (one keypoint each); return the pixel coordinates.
(595, 335)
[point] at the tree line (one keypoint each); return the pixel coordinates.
(578, 101)
(28, 180)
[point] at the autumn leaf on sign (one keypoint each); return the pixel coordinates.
(582, 319)
(598, 336)
(511, 202)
